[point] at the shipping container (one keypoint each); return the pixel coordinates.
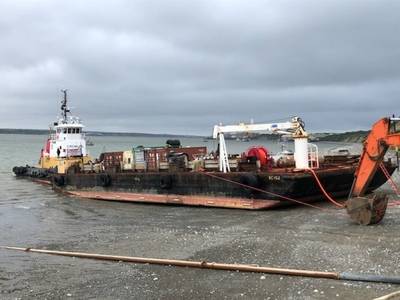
(112, 161)
(138, 155)
(128, 161)
(153, 157)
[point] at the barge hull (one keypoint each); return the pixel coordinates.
(223, 202)
(202, 189)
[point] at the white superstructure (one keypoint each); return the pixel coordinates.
(67, 138)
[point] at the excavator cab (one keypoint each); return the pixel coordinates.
(370, 209)
(394, 126)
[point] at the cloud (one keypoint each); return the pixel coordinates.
(180, 67)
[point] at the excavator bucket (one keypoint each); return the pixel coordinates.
(367, 210)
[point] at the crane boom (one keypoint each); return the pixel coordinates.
(253, 128)
(295, 127)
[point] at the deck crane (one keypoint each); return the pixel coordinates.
(370, 210)
(294, 127)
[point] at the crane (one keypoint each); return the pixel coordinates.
(385, 133)
(294, 127)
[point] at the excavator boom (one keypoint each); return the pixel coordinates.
(370, 210)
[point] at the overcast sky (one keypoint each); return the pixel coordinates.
(181, 66)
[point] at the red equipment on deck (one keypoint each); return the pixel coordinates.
(259, 153)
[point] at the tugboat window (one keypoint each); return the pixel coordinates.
(65, 130)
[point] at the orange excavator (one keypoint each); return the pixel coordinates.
(371, 209)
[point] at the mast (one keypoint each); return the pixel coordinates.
(64, 107)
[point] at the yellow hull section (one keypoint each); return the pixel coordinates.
(63, 164)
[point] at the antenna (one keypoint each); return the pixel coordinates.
(64, 107)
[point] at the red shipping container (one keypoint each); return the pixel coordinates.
(112, 160)
(154, 156)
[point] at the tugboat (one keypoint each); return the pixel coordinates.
(65, 147)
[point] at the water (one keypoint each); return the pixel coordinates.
(34, 215)
(23, 149)
(25, 203)
(24, 206)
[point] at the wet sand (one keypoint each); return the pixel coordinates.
(300, 237)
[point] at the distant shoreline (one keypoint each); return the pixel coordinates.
(96, 133)
(347, 137)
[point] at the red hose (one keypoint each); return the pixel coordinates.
(263, 191)
(387, 175)
(324, 191)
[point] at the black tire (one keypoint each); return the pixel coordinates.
(250, 180)
(105, 180)
(19, 171)
(166, 182)
(59, 180)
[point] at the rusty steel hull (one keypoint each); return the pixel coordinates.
(192, 200)
(250, 190)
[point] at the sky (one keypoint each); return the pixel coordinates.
(180, 67)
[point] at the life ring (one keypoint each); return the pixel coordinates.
(105, 180)
(166, 182)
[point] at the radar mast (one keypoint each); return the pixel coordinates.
(64, 107)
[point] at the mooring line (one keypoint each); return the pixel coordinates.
(392, 184)
(266, 192)
(389, 178)
(337, 204)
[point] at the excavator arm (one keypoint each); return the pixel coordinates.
(371, 210)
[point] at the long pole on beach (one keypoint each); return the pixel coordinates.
(216, 266)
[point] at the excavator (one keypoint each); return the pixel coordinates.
(368, 210)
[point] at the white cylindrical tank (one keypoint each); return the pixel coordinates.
(301, 152)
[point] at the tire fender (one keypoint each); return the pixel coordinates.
(59, 180)
(166, 182)
(250, 180)
(105, 180)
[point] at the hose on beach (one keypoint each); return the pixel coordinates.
(217, 266)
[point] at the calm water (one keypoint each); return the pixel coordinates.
(33, 215)
(22, 202)
(25, 149)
